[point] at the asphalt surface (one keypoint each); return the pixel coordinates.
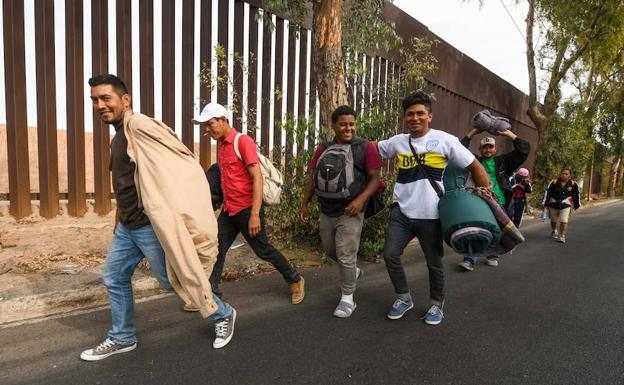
(549, 314)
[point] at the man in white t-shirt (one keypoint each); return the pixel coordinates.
(421, 157)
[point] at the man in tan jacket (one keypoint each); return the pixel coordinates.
(164, 209)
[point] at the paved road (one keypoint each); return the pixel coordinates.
(549, 314)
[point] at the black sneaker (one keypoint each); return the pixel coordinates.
(224, 330)
(105, 349)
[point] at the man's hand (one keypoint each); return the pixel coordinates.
(509, 134)
(303, 213)
(355, 207)
(254, 225)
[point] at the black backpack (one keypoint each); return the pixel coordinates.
(339, 172)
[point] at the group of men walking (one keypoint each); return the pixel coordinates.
(164, 206)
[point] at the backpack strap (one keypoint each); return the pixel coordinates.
(236, 149)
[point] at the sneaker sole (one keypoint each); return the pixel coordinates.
(345, 315)
(402, 314)
(190, 309)
(465, 267)
(87, 357)
(492, 264)
(227, 340)
(433, 322)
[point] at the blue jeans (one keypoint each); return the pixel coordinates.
(126, 250)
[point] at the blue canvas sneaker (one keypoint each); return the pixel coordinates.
(399, 308)
(434, 315)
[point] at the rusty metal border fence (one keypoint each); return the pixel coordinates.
(461, 87)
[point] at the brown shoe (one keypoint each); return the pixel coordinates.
(191, 307)
(297, 290)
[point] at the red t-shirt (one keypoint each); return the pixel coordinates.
(236, 182)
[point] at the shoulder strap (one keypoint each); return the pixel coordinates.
(359, 153)
(236, 149)
(435, 186)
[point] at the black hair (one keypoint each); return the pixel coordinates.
(417, 98)
(568, 169)
(342, 110)
(118, 85)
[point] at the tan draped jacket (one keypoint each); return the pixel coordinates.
(175, 195)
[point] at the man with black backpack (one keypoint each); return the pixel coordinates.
(421, 157)
(344, 174)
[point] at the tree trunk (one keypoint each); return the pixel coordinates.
(620, 179)
(613, 175)
(327, 60)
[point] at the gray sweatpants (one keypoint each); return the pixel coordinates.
(340, 237)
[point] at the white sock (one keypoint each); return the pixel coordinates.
(348, 298)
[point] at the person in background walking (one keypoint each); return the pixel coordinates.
(499, 168)
(520, 187)
(561, 195)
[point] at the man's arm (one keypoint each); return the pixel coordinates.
(357, 205)
(478, 174)
(518, 155)
(465, 141)
(308, 193)
(254, 220)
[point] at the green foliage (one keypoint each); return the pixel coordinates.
(286, 227)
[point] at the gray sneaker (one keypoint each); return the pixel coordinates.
(105, 349)
(224, 330)
(344, 309)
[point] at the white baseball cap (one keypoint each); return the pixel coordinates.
(212, 110)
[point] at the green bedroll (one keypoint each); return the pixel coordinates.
(468, 224)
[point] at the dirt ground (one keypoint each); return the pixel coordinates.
(40, 255)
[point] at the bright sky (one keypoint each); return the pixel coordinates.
(485, 33)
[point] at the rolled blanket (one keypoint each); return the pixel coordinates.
(510, 235)
(485, 121)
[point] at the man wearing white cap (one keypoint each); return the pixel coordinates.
(499, 168)
(242, 185)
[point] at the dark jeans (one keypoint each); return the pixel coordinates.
(229, 228)
(401, 230)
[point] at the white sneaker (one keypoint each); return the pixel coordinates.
(554, 234)
(106, 349)
(224, 330)
(344, 309)
(562, 239)
(492, 262)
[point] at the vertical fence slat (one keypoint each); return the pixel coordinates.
(383, 84)
(188, 77)
(290, 97)
(375, 81)
(222, 40)
(146, 33)
(303, 69)
(205, 31)
(101, 136)
(168, 63)
(17, 125)
(124, 41)
(279, 91)
(46, 109)
(366, 77)
(252, 81)
(266, 87)
(74, 72)
(237, 71)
